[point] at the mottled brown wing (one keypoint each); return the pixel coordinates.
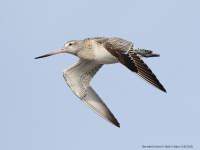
(123, 51)
(145, 72)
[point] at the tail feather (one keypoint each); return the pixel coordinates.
(144, 52)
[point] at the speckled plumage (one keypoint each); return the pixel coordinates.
(93, 53)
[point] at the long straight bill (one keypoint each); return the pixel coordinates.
(53, 53)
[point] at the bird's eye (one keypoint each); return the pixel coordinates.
(70, 44)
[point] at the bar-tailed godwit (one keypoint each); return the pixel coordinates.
(93, 54)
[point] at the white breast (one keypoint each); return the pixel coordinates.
(102, 56)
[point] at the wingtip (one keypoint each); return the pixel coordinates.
(117, 123)
(164, 90)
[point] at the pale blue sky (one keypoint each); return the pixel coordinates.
(38, 111)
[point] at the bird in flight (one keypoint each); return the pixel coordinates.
(93, 54)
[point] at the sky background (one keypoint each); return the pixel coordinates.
(38, 111)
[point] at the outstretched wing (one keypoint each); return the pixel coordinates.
(78, 77)
(126, 54)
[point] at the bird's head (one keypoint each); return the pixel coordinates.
(71, 47)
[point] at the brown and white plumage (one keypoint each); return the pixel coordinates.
(129, 56)
(93, 53)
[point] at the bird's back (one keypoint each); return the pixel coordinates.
(95, 52)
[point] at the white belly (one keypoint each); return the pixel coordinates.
(102, 56)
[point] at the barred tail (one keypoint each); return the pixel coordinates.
(145, 53)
